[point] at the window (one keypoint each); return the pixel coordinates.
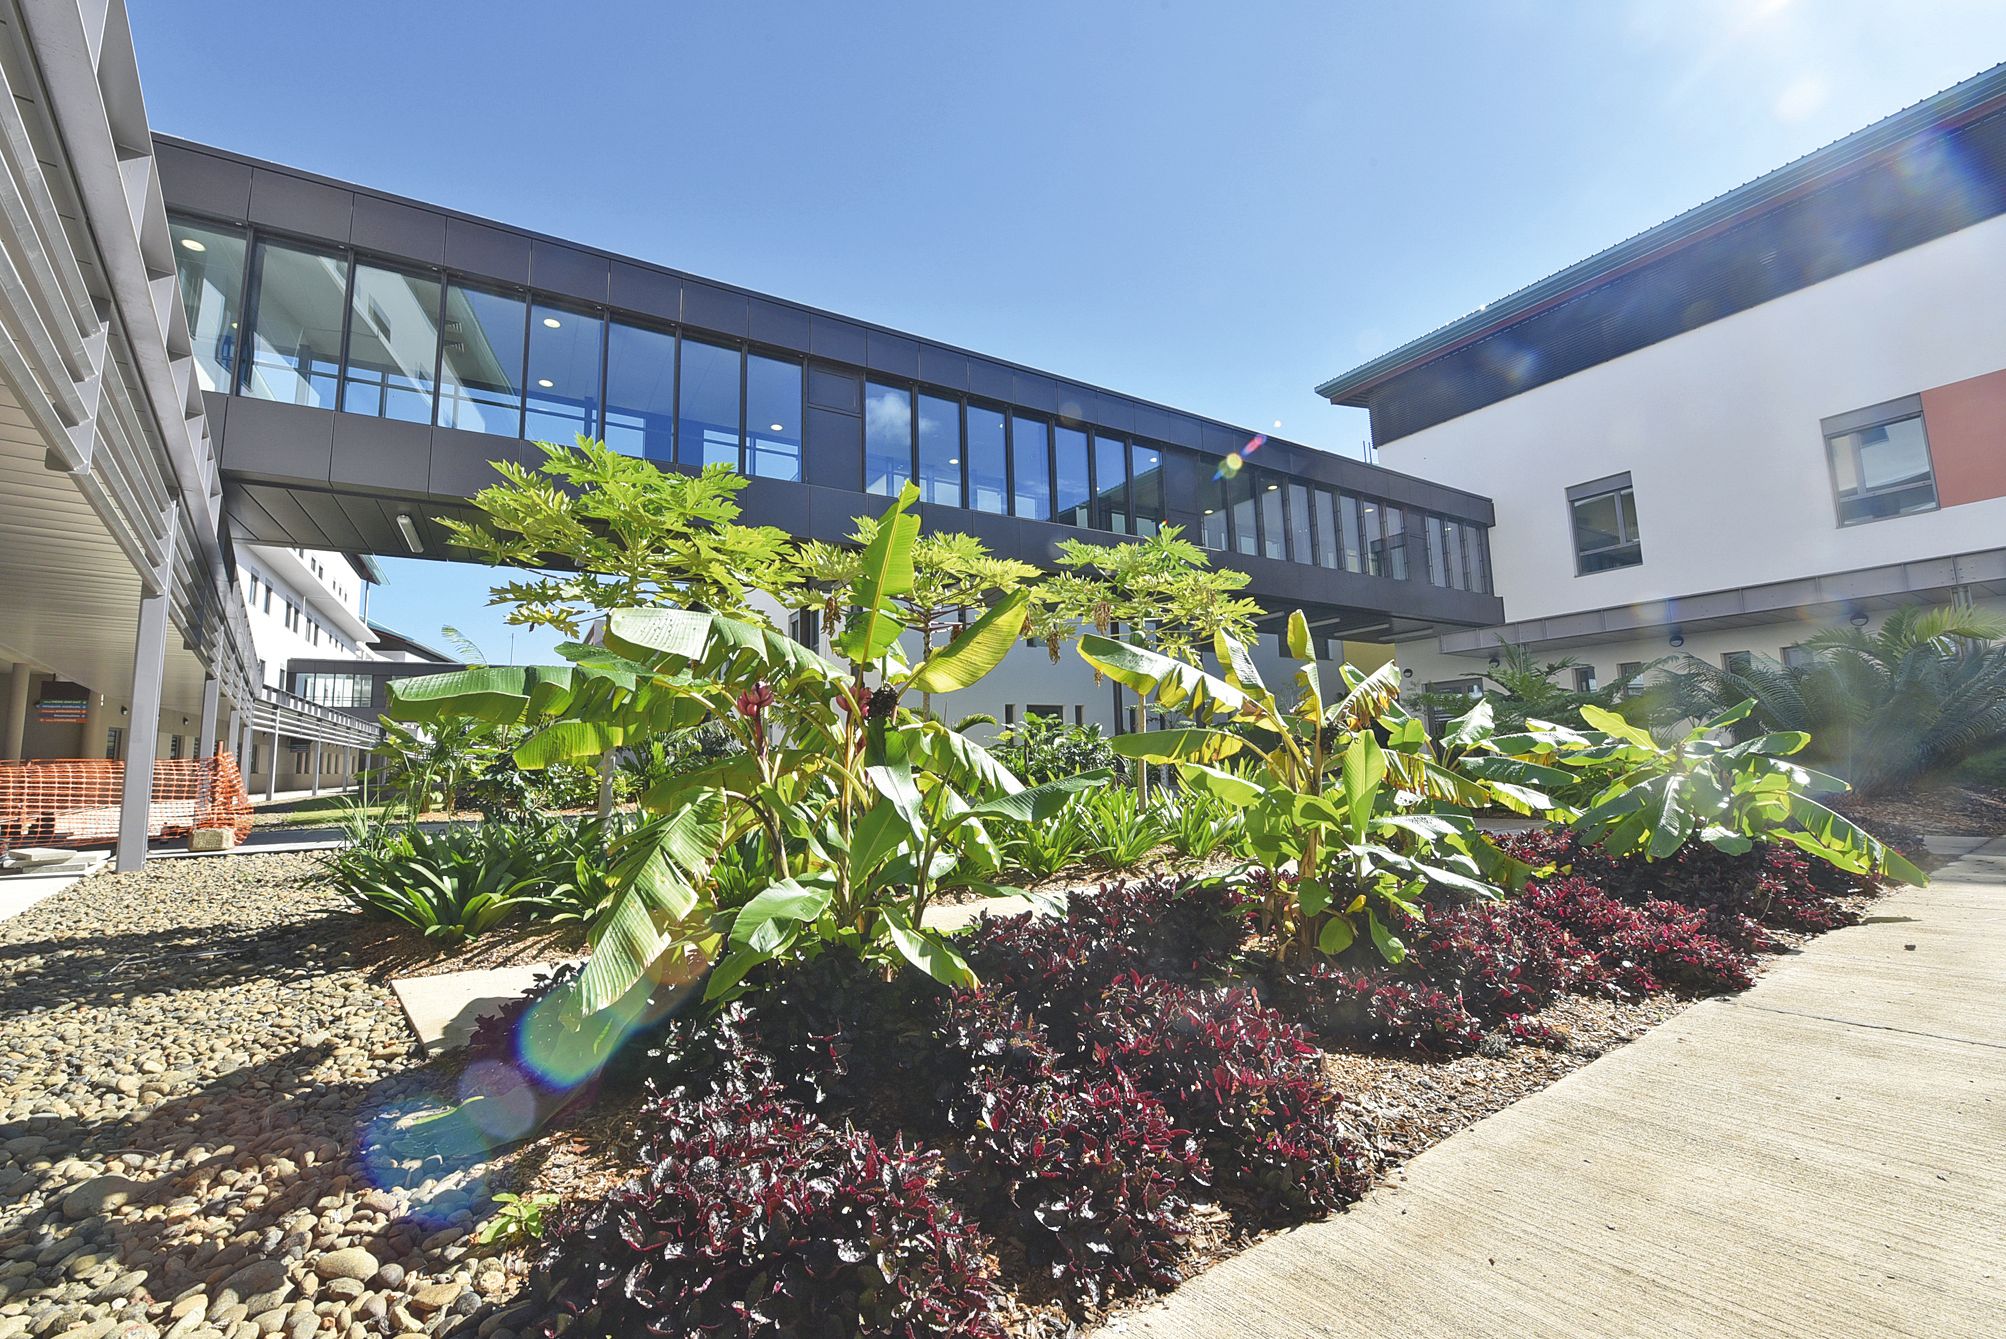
(1055, 714)
(1629, 669)
(887, 438)
(1736, 662)
(1369, 546)
(1880, 462)
(1145, 490)
(988, 460)
(563, 374)
(1392, 548)
(1110, 484)
(1476, 547)
(1073, 490)
(334, 690)
(1584, 679)
(1354, 551)
(209, 263)
(1799, 657)
(393, 345)
(1213, 530)
(773, 417)
(1326, 528)
(805, 626)
(480, 373)
(707, 405)
(1301, 547)
(1452, 555)
(939, 451)
(1274, 530)
(640, 391)
(1438, 564)
(1605, 525)
(1239, 491)
(296, 326)
(1030, 465)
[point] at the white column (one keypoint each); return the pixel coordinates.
(316, 768)
(149, 662)
(205, 731)
(97, 725)
(272, 777)
(16, 729)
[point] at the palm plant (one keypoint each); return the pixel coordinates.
(1913, 699)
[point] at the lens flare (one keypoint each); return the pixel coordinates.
(1232, 464)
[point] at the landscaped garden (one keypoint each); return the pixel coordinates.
(1233, 968)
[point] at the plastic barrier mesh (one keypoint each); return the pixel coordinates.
(74, 802)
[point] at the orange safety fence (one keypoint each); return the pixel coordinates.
(75, 802)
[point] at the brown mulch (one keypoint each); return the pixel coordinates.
(1950, 809)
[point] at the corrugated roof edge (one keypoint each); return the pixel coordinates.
(1974, 97)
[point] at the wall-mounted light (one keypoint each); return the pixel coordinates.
(1678, 639)
(1859, 618)
(1495, 662)
(409, 529)
(1406, 674)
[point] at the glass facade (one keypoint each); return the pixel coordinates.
(480, 370)
(887, 438)
(939, 451)
(641, 391)
(325, 329)
(773, 409)
(563, 389)
(298, 296)
(210, 265)
(988, 459)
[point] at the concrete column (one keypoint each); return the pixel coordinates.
(149, 662)
(272, 776)
(316, 768)
(16, 729)
(232, 735)
(205, 732)
(97, 725)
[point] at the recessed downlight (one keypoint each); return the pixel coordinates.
(553, 322)
(190, 244)
(545, 382)
(776, 427)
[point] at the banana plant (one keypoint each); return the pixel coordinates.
(1647, 799)
(1351, 792)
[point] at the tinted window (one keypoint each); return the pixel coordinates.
(1145, 490)
(480, 381)
(1111, 484)
(1882, 470)
(1326, 528)
(988, 460)
(1072, 497)
(772, 417)
(641, 391)
(1240, 504)
(707, 405)
(296, 327)
(1274, 532)
(1393, 549)
(563, 375)
(887, 438)
(939, 451)
(210, 265)
(1030, 459)
(393, 346)
(1213, 526)
(1605, 529)
(1369, 547)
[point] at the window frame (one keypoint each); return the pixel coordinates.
(1860, 420)
(1612, 485)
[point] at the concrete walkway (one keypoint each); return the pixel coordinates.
(1823, 1155)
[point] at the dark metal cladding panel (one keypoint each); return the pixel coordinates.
(719, 310)
(1035, 391)
(1114, 412)
(382, 455)
(991, 381)
(779, 326)
(837, 340)
(392, 228)
(203, 183)
(567, 272)
(1077, 404)
(835, 450)
(835, 388)
(488, 253)
(296, 205)
(893, 355)
(944, 367)
(645, 291)
(279, 442)
(462, 462)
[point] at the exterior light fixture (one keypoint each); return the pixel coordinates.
(553, 322)
(1859, 618)
(952, 460)
(1208, 511)
(776, 427)
(1678, 639)
(409, 529)
(190, 244)
(1273, 487)
(545, 382)
(1495, 662)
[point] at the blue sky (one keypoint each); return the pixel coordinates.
(1214, 206)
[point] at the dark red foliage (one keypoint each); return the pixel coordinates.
(750, 1218)
(1638, 950)
(1373, 1006)
(1498, 958)
(1247, 1081)
(1089, 1174)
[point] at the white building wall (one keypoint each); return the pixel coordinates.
(326, 599)
(1719, 430)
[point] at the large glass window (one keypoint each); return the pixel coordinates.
(1030, 465)
(1240, 503)
(210, 265)
(1073, 492)
(393, 345)
(1370, 518)
(1882, 469)
(939, 451)
(887, 438)
(1438, 565)
(641, 391)
(988, 460)
(1274, 533)
(772, 417)
(296, 325)
(1393, 548)
(1452, 538)
(1110, 484)
(1476, 548)
(1301, 546)
(1213, 525)
(563, 374)
(1327, 539)
(1605, 525)
(707, 405)
(1347, 517)
(480, 377)
(1146, 489)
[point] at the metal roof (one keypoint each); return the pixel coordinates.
(1960, 104)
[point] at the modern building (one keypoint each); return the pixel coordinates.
(1783, 409)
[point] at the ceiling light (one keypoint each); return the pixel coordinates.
(1273, 487)
(776, 427)
(552, 322)
(409, 529)
(1208, 511)
(545, 382)
(954, 460)
(190, 244)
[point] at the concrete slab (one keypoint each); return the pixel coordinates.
(18, 892)
(443, 1009)
(1825, 1154)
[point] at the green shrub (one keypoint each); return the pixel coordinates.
(1199, 824)
(1041, 850)
(1123, 828)
(1044, 748)
(461, 879)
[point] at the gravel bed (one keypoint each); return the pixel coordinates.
(203, 1095)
